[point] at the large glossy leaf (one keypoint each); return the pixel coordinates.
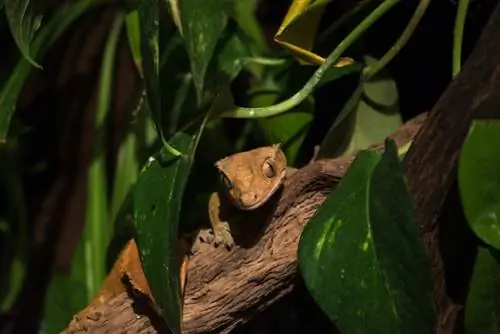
(25, 18)
(482, 309)
(479, 180)
(47, 35)
(201, 24)
(361, 255)
(157, 200)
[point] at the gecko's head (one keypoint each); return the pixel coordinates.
(250, 178)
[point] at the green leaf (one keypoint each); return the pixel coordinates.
(289, 128)
(134, 38)
(361, 256)
(369, 116)
(482, 308)
(157, 200)
(50, 32)
(25, 18)
(149, 34)
(201, 25)
(479, 180)
(226, 62)
(127, 169)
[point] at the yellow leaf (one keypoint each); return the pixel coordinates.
(298, 29)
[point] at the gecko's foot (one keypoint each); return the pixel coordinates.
(206, 236)
(222, 235)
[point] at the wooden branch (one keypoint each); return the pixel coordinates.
(225, 289)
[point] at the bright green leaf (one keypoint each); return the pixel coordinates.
(482, 309)
(157, 200)
(25, 18)
(479, 180)
(361, 256)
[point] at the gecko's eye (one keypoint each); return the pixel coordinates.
(269, 168)
(226, 181)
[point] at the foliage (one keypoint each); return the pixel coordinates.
(213, 85)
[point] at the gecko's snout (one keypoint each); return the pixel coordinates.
(249, 199)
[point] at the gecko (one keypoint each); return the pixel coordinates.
(248, 181)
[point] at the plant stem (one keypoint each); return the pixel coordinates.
(370, 71)
(458, 36)
(297, 98)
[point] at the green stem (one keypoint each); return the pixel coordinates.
(370, 71)
(297, 98)
(458, 36)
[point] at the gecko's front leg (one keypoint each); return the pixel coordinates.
(221, 231)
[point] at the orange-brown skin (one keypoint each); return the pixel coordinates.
(248, 180)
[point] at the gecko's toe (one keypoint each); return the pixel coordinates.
(206, 236)
(223, 236)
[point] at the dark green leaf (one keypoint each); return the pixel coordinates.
(361, 255)
(368, 117)
(157, 200)
(289, 128)
(51, 31)
(226, 62)
(482, 309)
(201, 25)
(479, 180)
(134, 38)
(149, 34)
(25, 18)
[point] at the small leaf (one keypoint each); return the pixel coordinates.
(201, 25)
(361, 256)
(479, 180)
(482, 309)
(157, 200)
(24, 21)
